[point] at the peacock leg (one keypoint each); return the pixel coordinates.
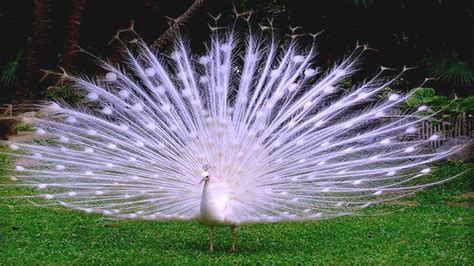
(234, 237)
(211, 238)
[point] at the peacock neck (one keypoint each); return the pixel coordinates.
(214, 199)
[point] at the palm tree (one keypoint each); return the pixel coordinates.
(39, 43)
(72, 33)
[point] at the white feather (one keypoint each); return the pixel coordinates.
(282, 142)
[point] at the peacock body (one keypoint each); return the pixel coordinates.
(249, 132)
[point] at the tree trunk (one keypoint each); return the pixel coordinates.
(72, 33)
(38, 47)
(181, 23)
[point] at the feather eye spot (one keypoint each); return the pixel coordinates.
(380, 114)
(348, 124)
(106, 111)
(139, 144)
(308, 105)
(91, 132)
(40, 132)
(226, 47)
(111, 77)
(137, 107)
(150, 71)
(13, 147)
(308, 73)
(298, 58)
(112, 146)
(375, 157)
(48, 196)
(347, 150)
(150, 126)
(422, 108)
(425, 171)
(275, 73)
(325, 144)
(124, 127)
(71, 119)
(291, 124)
(329, 89)
(393, 97)
(318, 124)
(410, 130)
(204, 79)
(54, 107)
(292, 87)
(186, 93)
(160, 90)
(176, 55)
(166, 108)
(391, 173)
(317, 215)
(362, 95)
(203, 60)
(92, 96)
(124, 94)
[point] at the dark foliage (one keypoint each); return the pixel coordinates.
(414, 33)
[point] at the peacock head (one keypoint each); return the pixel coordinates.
(205, 177)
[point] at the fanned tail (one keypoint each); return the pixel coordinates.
(282, 134)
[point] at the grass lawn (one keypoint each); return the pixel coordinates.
(431, 232)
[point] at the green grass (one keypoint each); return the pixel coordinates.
(24, 127)
(430, 233)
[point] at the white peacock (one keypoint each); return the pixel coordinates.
(249, 132)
